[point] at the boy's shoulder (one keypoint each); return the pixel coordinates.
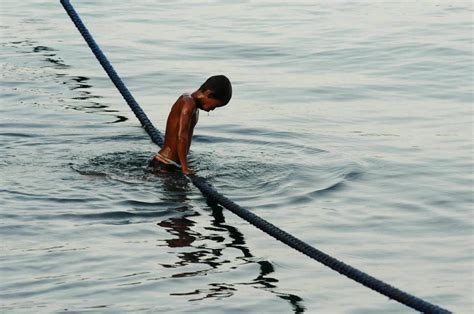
(186, 99)
(185, 102)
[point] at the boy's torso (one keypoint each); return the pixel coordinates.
(174, 123)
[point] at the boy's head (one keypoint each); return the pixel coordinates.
(218, 92)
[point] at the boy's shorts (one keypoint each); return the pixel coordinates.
(159, 166)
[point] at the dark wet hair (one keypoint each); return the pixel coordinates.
(220, 87)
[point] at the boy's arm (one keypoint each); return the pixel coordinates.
(184, 137)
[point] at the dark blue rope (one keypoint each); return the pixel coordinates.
(262, 224)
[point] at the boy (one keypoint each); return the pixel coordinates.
(215, 92)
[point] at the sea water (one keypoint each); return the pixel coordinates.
(350, 127)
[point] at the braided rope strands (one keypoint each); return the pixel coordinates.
(209, 192)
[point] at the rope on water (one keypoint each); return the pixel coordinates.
(154, 133)
(209, 192)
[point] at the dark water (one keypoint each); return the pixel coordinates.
(350, 127)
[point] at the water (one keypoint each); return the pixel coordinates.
(350, 127)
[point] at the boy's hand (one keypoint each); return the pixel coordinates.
(188, 171)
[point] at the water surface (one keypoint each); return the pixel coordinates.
(350, 127)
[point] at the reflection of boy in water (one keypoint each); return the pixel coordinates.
(215, 92)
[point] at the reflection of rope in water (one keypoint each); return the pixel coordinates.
(184, 236)
(210, 193)
(266, 267)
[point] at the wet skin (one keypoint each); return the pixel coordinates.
(180, 125)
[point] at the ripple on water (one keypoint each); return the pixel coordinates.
(280, 176)
(125, 166)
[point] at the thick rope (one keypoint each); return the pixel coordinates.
(262, 224)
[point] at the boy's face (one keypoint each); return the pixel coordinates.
(209, 103)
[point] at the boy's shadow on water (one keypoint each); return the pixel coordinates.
(177, 188)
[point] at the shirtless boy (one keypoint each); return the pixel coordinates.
(215, 92)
